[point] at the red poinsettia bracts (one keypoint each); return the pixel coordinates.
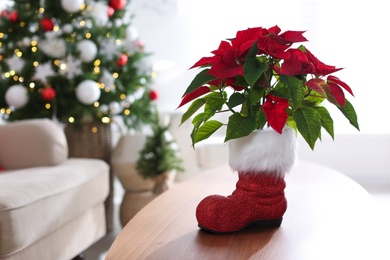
(272, 83)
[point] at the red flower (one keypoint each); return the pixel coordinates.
(296, 64)
(320, 68)
(275, 112)
(194, 94)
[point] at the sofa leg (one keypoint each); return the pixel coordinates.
(81, 256)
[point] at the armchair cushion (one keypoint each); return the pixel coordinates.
(32, 143)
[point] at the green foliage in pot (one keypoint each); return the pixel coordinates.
(160, 153)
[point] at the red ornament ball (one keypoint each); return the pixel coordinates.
(110, 11)
(122, 60)
(47, 24)
(153, 95)
(117, 4)
(13, 17)
(48, 94)
(4, 13)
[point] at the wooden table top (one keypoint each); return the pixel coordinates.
(329, 216)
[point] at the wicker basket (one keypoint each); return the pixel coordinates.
(93, 140)
(89, 140)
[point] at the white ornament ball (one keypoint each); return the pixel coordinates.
(99, 12)
(87, 49)
(115, 108)
(132, 33)
(16, 96)
(71, 6)
(87, 92)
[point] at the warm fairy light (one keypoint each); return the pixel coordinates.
(126, 112)
(122, 96)
(56, 28)
(47, 106)
(106, 120)
(97, 62)
(63, 66)
(57, 63)
(88, 35)
(41, 10)
(94, 130)
(71, 119)
(7, 74)
(96, 70)
(82, 23)
(18, 53)
(96, 104)
(153, 74)
(34, 49)
(22, 24)
(32, 85)
(107, 89)
(16, 78)
(12, 72)
(34, 43)
(35, 63)
(1, 35)
(21, 79)
(118, 42)
(115, 75)
(101, 85)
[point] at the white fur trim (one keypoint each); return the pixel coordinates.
(264, 151)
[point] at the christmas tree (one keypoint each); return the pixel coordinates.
(160, 153)
(73, 60)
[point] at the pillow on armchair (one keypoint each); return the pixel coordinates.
(32, 143)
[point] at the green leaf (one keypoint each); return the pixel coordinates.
(349, 112)
(214, 103)
(326, 120)
(255, 95)
(308, 122)
(206, 130)
(196, 121)
(296, 89)
(236, 99)
(200, 79)
(239, 126)
(253, 69)
(195, 105)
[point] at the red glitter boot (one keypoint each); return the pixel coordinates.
(261, 159)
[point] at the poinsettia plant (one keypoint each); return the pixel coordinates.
(264, 82)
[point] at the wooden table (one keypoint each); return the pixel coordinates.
(329, 216)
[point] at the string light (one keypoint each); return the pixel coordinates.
(106, 120)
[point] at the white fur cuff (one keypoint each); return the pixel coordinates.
(264, 152)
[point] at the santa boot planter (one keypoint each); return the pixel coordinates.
(261, 159)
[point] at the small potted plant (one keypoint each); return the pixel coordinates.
(160, 158)
(272, 92)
